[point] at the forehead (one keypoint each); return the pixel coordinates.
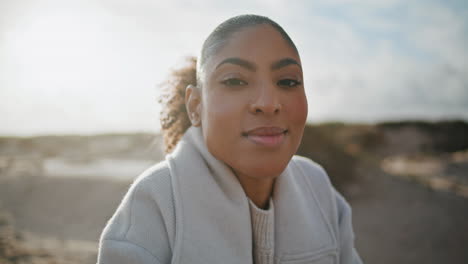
(261, 45)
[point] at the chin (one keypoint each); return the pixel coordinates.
(268, 168)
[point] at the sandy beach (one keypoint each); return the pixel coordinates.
(405, 182)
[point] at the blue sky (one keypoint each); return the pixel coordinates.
(93, 66)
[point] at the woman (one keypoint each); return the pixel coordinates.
(231, 190)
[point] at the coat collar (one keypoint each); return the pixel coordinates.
(213, 223)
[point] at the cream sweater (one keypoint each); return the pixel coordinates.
(192, 209)
(263, 233)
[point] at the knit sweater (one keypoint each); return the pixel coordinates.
(191, 208)
(263, 233)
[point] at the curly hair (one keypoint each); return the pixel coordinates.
(174, 119)
(173, 116)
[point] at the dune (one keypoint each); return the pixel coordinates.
(59, 191)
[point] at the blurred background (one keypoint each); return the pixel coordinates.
(386, 80)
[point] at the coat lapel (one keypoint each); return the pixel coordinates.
(301, 227)
(212, 212)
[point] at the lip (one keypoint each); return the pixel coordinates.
(268, 136)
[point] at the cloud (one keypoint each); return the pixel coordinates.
(93, 66)
(370, 65)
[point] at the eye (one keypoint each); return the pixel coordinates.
(288, 83)
(234, 82)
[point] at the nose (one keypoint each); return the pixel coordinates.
(266, 101)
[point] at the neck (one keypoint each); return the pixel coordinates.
(258, 190)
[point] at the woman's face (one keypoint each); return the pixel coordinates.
(253, 106)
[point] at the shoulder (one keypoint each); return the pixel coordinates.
(334, 206)
(152, 189)
(149, 196)
(317, 184)
(311, 170)
(153, 181)
(145, 218)
(316, 173)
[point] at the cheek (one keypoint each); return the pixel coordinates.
(217, 108)
(221, 114)
(298, 109)
(221, 125)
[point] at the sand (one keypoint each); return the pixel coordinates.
(58, 218)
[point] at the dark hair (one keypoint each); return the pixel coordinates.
(223, 31)
(173, 116)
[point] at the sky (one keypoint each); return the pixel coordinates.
(86, 67)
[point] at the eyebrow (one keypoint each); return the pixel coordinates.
(284, 62)
(252, 67)
(238, 61)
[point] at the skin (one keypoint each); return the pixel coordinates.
(252, 107)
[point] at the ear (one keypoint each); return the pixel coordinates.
(193, 104)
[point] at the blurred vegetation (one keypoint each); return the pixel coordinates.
(13, 249)
(342, 148)
(446, 136)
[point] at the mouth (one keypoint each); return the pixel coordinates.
(266, 136)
